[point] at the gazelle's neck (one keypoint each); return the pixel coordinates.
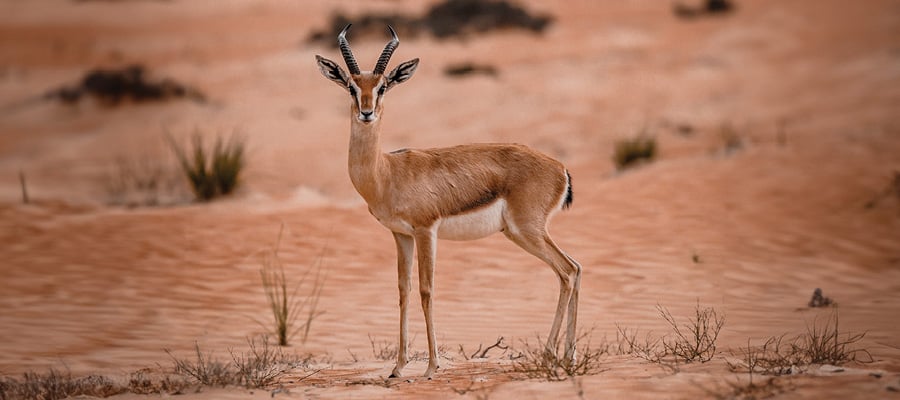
(366, 161)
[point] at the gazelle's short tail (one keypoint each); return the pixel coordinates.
(568, 201)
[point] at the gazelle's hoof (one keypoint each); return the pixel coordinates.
(429, 372)
(396, 372)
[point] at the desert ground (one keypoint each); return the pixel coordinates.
(778, 133)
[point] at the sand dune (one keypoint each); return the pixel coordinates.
(809, 87)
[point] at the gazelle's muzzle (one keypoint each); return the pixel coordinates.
(366, 116)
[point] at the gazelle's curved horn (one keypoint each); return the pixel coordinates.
(345, 51)
(381, 65)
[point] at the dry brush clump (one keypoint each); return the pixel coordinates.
(634, 151)
(112, 86)
(261, 366)
(446, 19)
(535, 361)
(144, 181)
(691, 341)
(822, 343)
(696, 339)
(55, 384)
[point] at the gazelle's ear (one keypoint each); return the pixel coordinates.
(332, 71)
(402, 73)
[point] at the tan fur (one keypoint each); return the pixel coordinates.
(412, 191)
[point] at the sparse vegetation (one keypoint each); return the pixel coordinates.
(264, 364)
(211, 174)
(261, 366)
(385, 350)
(820, 344)
(633, 151)
(466, 69)
(538, 362)
(144, 382)
(689, 342)
(695, 340)
(450, 18)
(482, 352)
(284, 302)
(146, 181)
(111, 86)
(56, 384)
(205, 370)
(708, 7)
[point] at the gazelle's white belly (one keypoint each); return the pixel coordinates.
(474, 224)
(471, 225)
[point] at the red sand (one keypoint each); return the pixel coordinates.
(812, 88)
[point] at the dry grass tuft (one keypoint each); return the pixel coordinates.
(143, 181)
(55, 384)
(538, 362)
(284, 302)
(211, 173)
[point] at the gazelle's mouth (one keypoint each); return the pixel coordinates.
(366, 118)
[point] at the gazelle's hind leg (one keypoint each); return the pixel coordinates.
(538, 243)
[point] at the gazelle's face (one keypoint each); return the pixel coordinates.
(367, 89)
(366, 92)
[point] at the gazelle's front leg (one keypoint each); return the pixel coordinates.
(426, 245)
(405, 246)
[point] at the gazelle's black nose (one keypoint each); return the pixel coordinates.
(367, 113)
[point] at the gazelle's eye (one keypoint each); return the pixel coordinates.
(352, 91)
(381, 90)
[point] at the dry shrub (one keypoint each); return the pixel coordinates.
(264, 364)
(261, 366)
(144, 382)
(206, 370)
(634, 151)
(143, 181)
(55, 384)
(450, 18)
(536, 361)
(385, 350)
(482, 352)
(708, 7)
(695, 340)
(468, 68)
(111, 86)
(820, 344)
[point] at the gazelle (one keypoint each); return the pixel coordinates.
(460, 193)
